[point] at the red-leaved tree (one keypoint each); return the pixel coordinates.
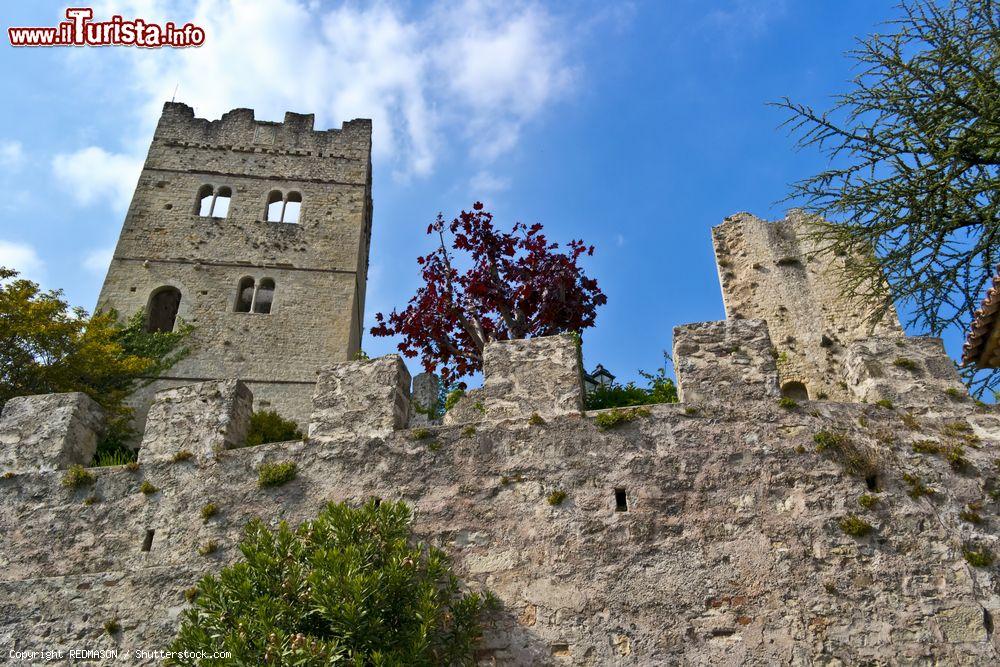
(518, 285)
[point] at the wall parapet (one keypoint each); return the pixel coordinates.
(49, 432)
(725, 361)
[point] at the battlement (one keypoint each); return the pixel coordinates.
(239, 130)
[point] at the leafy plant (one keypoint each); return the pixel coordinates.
(787, 403)
(268, 426)
(276, 474)
(182, 455)
(77, 476)
(617, 416)
(659, 389)
(854, 526)
(556, 497)
(147, 487)
(209, 510)
(348, 587)
(978, 557)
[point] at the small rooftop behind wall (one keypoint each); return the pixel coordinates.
(768, 272)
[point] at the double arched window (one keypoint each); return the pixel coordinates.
(213, 202)
(161, 314)
(253, 296)
(283, 206)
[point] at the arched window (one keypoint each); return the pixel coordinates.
(275, 207)
(162, 312)
(283, 207)
(244, 295)
(265, 295)
(203, 205)
(222, 198)
(213, 203)
(795, 390)
(293, 204)
(254, 297)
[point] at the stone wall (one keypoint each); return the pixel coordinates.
(728, 361)
(769, 271)
(319, 266)
(727, 548)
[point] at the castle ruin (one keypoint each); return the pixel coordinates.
(710, 531)
(257, 234)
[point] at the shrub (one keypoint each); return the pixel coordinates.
(268, 426)
(854, 526)
(617, 416)
(903, 362)
(854, 460)
(659, 389)
(980, 557)
(535, 419)
(275, 474)
(867, 501)
(787, 403)
(348, 587)
(556, 497)
(208, 548)
(208, 511)
(147, 488)
(182, 455)
(112, 626)
(77, 476)
(452, 398)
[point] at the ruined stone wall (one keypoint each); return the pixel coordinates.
(319, 265)
(727, 548)
(767, 273)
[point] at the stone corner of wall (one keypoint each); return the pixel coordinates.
(726, 360)
(363, 397)
(49, 431)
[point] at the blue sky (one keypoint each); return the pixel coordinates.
(635, 126)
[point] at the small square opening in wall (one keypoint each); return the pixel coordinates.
(147, 542)
(621, 500)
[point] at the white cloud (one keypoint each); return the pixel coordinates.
(485, 182)
(23, 258)
(462, 74)
(97, 261)
(92, 175)
(11, 154)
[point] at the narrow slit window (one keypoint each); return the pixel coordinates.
(265, 295)
(621, 501)
(147, 542)
(244, 295)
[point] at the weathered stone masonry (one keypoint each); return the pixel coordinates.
(319, 265)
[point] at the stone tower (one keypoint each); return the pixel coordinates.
(256, 233)
(767, 273)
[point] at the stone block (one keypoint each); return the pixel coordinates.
(423, 398)
(521, 377)
(203, 418)
(49, 432)
(908, 371)
(364, 398)
(726, 361)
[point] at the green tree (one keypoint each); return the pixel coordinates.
(48, 347)
(348, 586)
(913, 190)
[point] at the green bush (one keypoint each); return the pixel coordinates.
(978, 557)
(855, 526)
(268, 426)
(77, 476)
(275, 474)
(348, 587)
(556, 498)
(617, 416)
(659, 389)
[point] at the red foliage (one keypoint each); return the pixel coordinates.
(519, 285)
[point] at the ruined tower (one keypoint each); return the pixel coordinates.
(768, 272)
(256, 233)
